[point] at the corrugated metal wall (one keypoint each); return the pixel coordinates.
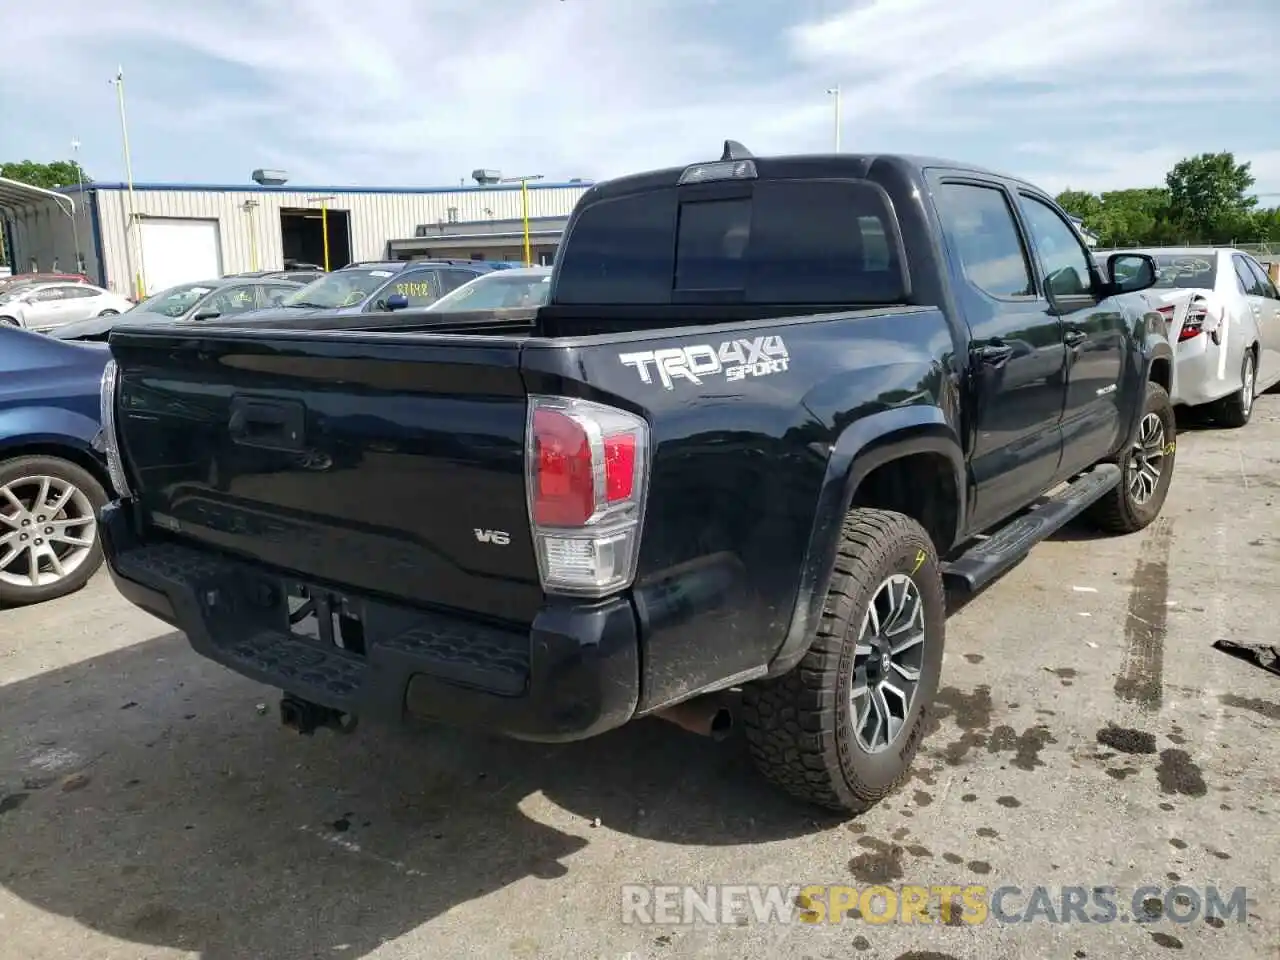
(44, 239)
(375, 218)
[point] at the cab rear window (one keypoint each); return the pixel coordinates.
(772, 241)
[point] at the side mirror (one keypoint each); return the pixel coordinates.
(397, 301)
(1130, 272)
(206, 314)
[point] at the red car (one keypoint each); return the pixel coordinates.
(8, 284)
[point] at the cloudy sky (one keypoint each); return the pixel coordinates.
(1092, 94)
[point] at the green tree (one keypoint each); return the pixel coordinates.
(59, 173)
(1137, 216)
(1080, 203)
(1208, 194)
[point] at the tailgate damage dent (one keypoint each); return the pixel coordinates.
(572, 674)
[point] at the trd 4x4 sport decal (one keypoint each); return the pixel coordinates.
(736, 360)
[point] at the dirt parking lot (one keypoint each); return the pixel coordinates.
(1087, 735)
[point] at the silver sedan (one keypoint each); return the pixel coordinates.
(1224, 315)
(46, 306)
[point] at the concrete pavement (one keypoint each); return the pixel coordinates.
(1087, 735)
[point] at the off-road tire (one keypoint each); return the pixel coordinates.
(88, 484)
(798, 726)
(1233, 411)
(1118, 512)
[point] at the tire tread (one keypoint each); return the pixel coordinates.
(790, 721)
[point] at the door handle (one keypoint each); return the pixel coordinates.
(274, 425)
(996, 353)
(1073, 338)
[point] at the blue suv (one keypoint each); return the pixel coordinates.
(381, 285)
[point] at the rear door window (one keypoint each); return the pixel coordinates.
(1264, 286)
(453, 279)
(1249, 284)
(771, 241)
(981, 229)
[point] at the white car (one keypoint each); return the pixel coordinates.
(514, 289)
(1224, 319)
(45, 306)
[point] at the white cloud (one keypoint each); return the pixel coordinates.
(392, 92)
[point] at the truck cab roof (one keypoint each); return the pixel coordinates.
(807, 166)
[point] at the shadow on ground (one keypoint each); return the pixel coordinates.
(145, 795)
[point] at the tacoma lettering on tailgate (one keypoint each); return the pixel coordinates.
(736, 359)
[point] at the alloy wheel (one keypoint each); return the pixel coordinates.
(1146, 459)
(47, 530)
(888, 658)
(1246, 389)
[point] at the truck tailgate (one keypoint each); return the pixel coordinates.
(380, 463)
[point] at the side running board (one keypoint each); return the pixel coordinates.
(990, 558)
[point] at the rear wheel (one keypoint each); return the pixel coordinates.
(49, 544)
(8, 322)
(841, 729)
(1235, 410)
(109, 313)
(1146, 470)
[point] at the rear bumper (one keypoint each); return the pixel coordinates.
(573, 674)
(1198, 382)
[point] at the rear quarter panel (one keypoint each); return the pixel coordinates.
(739, 461)
(48, 392)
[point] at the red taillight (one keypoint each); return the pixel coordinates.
(1194, 324)
(565, 493)
(619, 467)
(587, 473)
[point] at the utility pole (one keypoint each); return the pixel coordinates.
(75, 220)
(141, 269)
(324, 224)
(524, 211)
(835, 92)
(248, 208)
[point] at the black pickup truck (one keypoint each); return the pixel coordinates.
(772, 410)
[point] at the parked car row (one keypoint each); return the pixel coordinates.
(86, 312)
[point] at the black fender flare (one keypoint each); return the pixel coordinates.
(1154, 346)
(862, 446)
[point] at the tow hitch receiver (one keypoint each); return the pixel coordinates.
(306, 717)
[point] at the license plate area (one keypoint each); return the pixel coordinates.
(324, 618)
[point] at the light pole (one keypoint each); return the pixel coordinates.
(248, 207)
(835, 92)
(140, 273)
(524, 210)
(75, 221)
(324, 224)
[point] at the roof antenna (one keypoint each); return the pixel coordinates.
(733, 150)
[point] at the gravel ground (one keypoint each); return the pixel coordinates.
(1087, 734)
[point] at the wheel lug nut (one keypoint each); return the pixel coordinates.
(26, 523)
(39, 519)
(48, 530)
(39, 542)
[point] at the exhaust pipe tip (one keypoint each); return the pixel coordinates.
(721, 724)
(707, 716)
(306, 717)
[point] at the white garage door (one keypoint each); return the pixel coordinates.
(180, 251)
